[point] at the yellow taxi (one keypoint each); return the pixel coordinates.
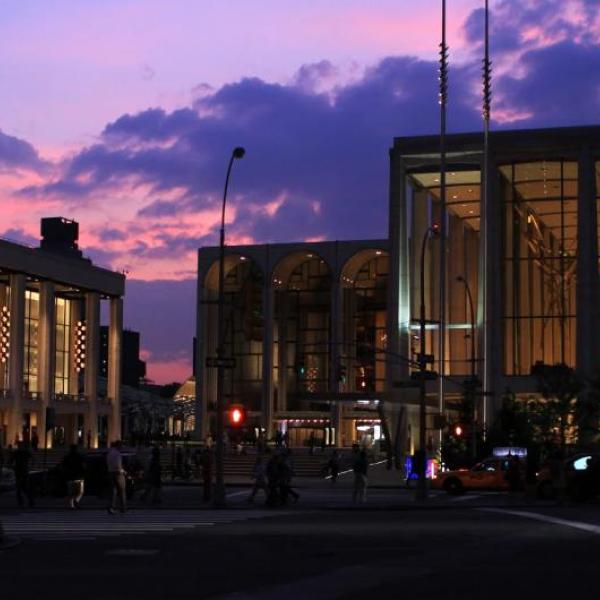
(489, 474)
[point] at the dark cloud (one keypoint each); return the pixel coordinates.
(16, 153)
(20, 237)
(112, 235)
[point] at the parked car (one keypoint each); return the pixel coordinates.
(582, 475)
(489, 474)
(52, 482)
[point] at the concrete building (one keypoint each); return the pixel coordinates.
(528, 256)
(50, 303)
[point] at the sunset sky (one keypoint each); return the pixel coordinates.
(121, 114)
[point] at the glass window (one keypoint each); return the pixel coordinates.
(63, 353)
(30, 366)
(540, 263)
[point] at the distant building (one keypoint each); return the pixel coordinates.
(50, 304)
(132, 368)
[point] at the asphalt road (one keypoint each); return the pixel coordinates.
(504, 549)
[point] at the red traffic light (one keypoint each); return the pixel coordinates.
(458, 430)
(236, 415)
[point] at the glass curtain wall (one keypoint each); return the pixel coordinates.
(30, 359)
(62, 346)
(463, 194)
(370, 297)
(308, 307)
(540, 261)
(243, 334)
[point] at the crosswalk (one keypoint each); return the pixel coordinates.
(61, 525)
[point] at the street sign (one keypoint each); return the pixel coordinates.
(213, 362)
(426, 375)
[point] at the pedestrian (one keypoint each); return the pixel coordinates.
(259, 475)
(73, 468)
(89, 439)
(153, 483)
(206, 462)
(360, 468)
(334, 466)
(116, 474)
(178, 463)
(21, 462)
(273, 474)
(187, 463)
(286, 473)
(35, 440)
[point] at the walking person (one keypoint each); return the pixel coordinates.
(559, 478)
(286, 473)
(206, 463)
(116, 474)
(334, 466)
(153, 482)
(21, 462)
(73, 468)
(259, 475)
(360, 468)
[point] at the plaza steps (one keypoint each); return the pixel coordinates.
(305, 464)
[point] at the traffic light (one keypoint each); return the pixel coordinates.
(236, 415)
(341, 373)
(301, 367)
(458, 430)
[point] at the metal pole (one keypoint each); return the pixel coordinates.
(487, 95)
(219, 496)
(421, 495)
(443, 96)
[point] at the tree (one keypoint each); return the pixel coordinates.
(559, 385)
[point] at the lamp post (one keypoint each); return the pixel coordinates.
(421, 496)
(473, 380)
(219, 496)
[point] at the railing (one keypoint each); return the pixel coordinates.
(60, 397)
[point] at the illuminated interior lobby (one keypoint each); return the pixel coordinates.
(528, 258)
(50, 308)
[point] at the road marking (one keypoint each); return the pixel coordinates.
(131, 552)
(546, 519)
(463, 498)
(86, 525)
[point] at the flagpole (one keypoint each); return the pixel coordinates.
(487, 97)
(443, 97)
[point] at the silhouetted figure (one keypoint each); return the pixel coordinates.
(360, 467)
(73, 468)
(334, 466)
(206, 462)
(286, 473)
(153, 483)
(259, 475)
(21, 461)
(35, 441)
(116, 475)
(559, 478)
(89, 439)
(513, 474)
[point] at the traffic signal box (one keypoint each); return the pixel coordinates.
(236, 415)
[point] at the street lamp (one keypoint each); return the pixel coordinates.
(219, 496)
(472, 384)
(432, 231)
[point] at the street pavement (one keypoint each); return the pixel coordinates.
(480, 545)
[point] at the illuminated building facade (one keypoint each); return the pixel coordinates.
(528, 258)
(50, 299)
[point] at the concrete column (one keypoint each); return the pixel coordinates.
(92, 351)
(349, 336)
(46, 353)
(17, 343)
(200, 404)
(267, 352)
(337, 408)
(76, 317)
(398, 323)
(588, 295)
(490, 295)
(282, 303)
(115, 340)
